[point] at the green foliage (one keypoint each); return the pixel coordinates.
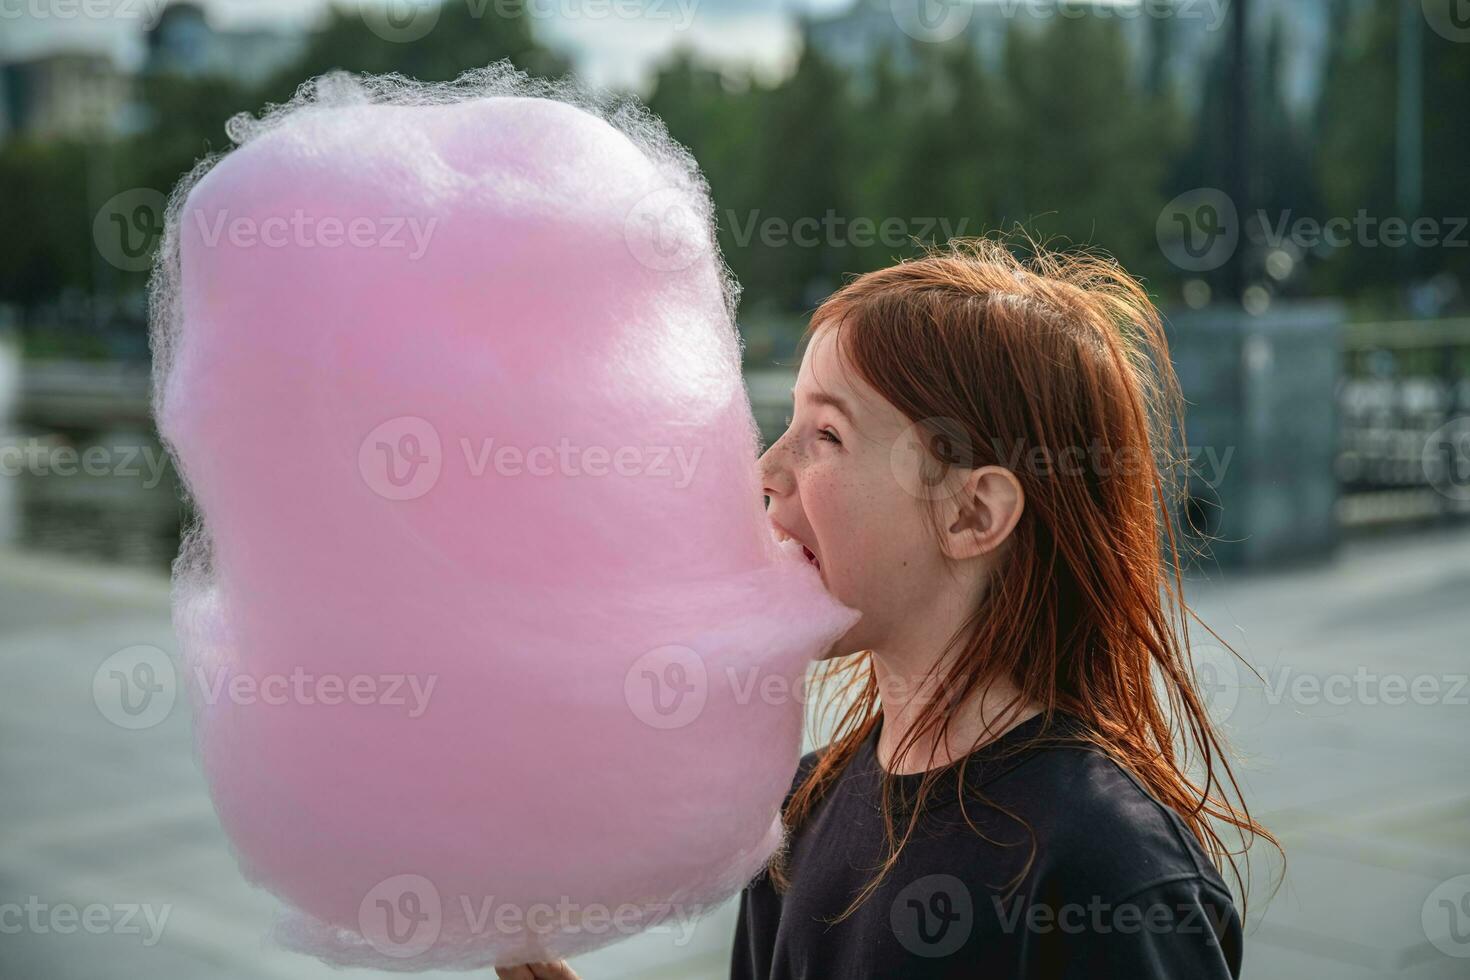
(47, 245)
(52, 190)
(831, 172)
(1086, 151)
(465, 36)
(927, 146)
(1356, 168)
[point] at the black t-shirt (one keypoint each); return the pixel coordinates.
(1119, 886)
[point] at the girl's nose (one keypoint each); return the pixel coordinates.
(776, 480)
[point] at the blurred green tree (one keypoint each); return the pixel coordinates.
(1084, 153)
(47, 242)
(463, 36)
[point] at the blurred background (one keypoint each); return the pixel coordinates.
(1291, 178)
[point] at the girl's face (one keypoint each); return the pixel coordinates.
(844, 481)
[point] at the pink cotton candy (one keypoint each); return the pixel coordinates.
(494, 656)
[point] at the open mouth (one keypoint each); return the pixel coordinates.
(784, 535)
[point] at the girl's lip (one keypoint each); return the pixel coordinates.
(783, 534)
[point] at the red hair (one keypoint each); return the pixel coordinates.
(1057, 357)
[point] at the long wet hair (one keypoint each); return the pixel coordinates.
(1053, 365)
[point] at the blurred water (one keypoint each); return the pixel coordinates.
(109, 492)
(108, 495)
(81, 471)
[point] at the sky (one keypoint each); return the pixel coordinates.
(612, 42)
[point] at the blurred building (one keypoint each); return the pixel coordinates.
(184, 43)
(1171, 44)
(868, 31)
(77, 92)
(64, 94)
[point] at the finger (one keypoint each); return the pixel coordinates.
(553, 971)
(515, 973)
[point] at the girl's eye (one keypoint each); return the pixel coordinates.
(825, 434)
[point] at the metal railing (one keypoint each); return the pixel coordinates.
(1404, 421)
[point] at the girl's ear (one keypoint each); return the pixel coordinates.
(984, 512)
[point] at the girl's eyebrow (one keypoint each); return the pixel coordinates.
(826, 398)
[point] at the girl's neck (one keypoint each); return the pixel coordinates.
(906, 692)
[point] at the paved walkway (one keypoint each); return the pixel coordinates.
(1354, 751)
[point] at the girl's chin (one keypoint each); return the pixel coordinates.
(845, 645)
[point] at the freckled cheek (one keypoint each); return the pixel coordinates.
(834, 512)
(863, 523)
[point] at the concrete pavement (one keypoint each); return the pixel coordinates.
(1353, 749)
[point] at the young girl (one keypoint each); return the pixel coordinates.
(1022, 780)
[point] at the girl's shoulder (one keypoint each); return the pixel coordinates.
(1094, 824)
(1099, 827)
